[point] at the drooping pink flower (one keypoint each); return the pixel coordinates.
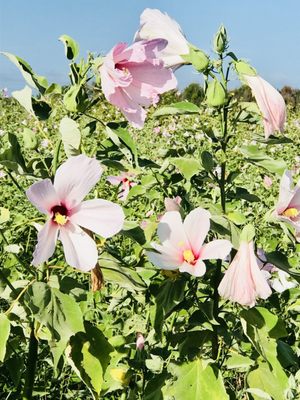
(243, 281)
(125, 181)
(67, 213)
(155, 25)
(288, 206)
(182, 243)
(133, 77)
(172, 204)
(270, 103)
(140, 341)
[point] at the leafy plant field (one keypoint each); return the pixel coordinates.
(131, 327)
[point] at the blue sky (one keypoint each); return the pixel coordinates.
(266, 32)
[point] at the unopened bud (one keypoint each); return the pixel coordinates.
(140, 341)
(220, 40)
(215, 94)
(197, 58)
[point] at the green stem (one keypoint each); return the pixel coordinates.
(56, 156)
(15, 182)
(216, 281)
(31, 366)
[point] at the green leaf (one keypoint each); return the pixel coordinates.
(207, 161)
(170, 294)
(89, 356)
(188, 167)
(242, 193)
(183, 107)
(37, 108)
(71, 47)
(58, 311)
(126, 278)
(237, 217)
(75, 99)
(281, 261)
(258, 157)
(4, 215)
(30, 139)
(12, 158)
(4, 335)
(38, 82)
(195, 380)
(124, 137)
(71, 136)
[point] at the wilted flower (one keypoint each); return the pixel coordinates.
(156, 25)
(140, 341)
(243, 281)
(62, 203)
(172, 204)
(5, 92)
(270, 103)
(182, 243)
(125, 181)
(134, 76)
(288, 206)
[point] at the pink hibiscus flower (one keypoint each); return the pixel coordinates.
(182, 243)
(134, 76)
(67, 213)
(125, 181)
(288, 206)
(243, 281)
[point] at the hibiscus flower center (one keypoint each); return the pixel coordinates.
(189, 257)
(60, 214)
(291, 212)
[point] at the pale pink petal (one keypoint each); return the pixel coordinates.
(171, 231)
(43, 196)
(262, 287)
(100, 216)
(197, 270)
(75, 178)
(172, 204)
(114, 180)
(45, 247)
(155, 24)
(196, 226)
(244, 281)
(270, 103)
(166, 258)
(79, 248)
(286, 192)
(217, 249)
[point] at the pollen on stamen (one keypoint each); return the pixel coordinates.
(188, 256)
(60, 219)
(291, 212)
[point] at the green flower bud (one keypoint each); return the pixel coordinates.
(197, 58)
(220, 40)
(215, 94)
(243, 68)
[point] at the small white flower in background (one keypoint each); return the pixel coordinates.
(2, 132)
(2, 173)
(156, 129)
(45, 143)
